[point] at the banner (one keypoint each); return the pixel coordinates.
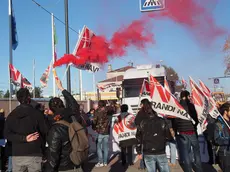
(109, 87)
(164, 102)
(124, 128)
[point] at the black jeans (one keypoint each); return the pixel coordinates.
(185, 143)
(224, 162)
(127, 151)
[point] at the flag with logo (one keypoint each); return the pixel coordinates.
(164, 102)
(145, 90)
(213, 111)
(14, 36)
(201, 103)
(84, 42)
(15, 76)
(45, 76)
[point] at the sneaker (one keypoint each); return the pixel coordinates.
(105, 164)
(99, 165)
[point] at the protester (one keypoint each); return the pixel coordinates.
(26, 128)
(2, 123)
(152, 134)
(91, 114)
(101, 123)
(222, 137)
(187, 139)
(172, 144)
(126, 120)
(59, 144)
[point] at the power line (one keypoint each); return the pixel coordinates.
(39, 5)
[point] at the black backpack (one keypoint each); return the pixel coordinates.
(153, 131)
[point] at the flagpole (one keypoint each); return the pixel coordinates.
(53, 52)
(94, 85)
(80, 77)
(34, 78)
(10, 54)
(67, 44)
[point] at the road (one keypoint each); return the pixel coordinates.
(115, 166)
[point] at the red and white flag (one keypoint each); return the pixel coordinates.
(145, 90)
(166, 84)
(15, 76)
(164, 102)
(18, 79)
(84, 41)
(201, 103)
(213, 111)
(184, 83)
(45, 76)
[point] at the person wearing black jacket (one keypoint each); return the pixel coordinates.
(186, 137)
(152, 134)
(26, 128)
(59, 146)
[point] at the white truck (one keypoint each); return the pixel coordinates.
(132, 82)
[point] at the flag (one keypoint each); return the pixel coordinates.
(15, 76)
(45, 77)
(14, 35)
(201, 103)
(213, 111)
(166, 84)
(55, 43)
(163, 102)
(145, 90)
(18, 79)
(184, 83)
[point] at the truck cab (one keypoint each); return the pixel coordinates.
(132, 82)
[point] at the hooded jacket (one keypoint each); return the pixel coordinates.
(21, 122)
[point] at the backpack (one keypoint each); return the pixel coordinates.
(153, 134)
(78, 140)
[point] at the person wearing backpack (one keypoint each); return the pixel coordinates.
(101, 123)
(67, 141)
(222, 138)
(152, 134)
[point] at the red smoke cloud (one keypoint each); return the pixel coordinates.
(188, 13)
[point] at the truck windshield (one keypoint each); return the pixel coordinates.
(132, 87)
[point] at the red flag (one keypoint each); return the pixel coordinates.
(45, 77)
(15, 76)
(145, 90)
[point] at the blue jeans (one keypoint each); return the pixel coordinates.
(102, 148)
(10, 168)
(186, 154)
(172, 146)
(153, 161)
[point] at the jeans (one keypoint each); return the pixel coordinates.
(9, 169)
(102, 148)
(27, 163)
(74, 170)
(127, 152)
(172, 146)
(224, 162)
(153, 161)
(142, 162)
(186, 155)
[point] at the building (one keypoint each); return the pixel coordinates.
(107, 87)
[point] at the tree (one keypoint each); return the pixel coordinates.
(172, 77)
(7, 94)
(1, 94)
(38, 92)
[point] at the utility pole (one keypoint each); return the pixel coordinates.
(67, 44)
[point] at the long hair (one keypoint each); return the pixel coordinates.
(147, 106)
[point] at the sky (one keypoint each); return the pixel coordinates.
(175, 45)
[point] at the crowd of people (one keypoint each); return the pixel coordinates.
(56, 139)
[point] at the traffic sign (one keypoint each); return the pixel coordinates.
(152, 5)
(216, 81)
